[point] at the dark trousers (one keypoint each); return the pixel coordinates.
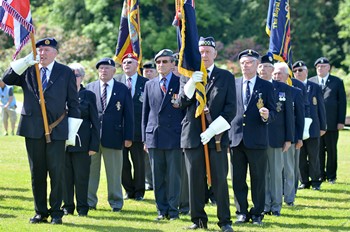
(77, 171)
(134, 184)
(328, 147)
(241, 157)
(46, 158)
(195, 165)
(166, 167)
(184, 205)
(309, 163)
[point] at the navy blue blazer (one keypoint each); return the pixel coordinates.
(317, 109)
(117, 121)
(88, 138)
(298, 84)
(334, 100)
(137, 100)
(161, 121)
(60, 95)
(248, 124)
(299, 114)
(281, 129)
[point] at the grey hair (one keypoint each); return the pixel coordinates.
(78, 67)
(282, 66)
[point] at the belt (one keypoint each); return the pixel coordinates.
(55, 123)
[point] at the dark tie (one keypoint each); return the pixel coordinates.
(247, 94)
(129, 83)
(163, 86)
(104, 96)
(208, 78)
(322, 83)
(44, 78)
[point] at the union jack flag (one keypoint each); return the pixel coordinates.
(16, 20)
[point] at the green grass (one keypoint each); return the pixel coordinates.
(325, 210)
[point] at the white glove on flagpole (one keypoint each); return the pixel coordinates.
(20, 65)
(190, 86)
(307, 125)
(73, 127)
(218, 126)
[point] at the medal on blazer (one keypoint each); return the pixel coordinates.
(279, 106)
(282, 96)
(174, 100)
(314, 100)
(260, 103)
(141, 97)
(118, 105)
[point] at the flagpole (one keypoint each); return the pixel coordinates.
(206, 152)
(41, 94)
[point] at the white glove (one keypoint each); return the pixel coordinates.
(73, 127)
(307, 125)
(190, 86)
(20, 65)
(218, 126)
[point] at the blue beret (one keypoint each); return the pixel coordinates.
(321, 60)
(267, 59)
(248, 53)
(208, 41)
(299, 63)
(51, 42)
(107, 61)
(164, 52)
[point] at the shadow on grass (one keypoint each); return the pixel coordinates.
(7, 216)
(316, 217)
(312, 225)
(16, 197)
(14, 189)
(107, 228)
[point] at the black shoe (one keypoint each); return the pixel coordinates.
(116, 210)
(194, 226)
(160, 217)
(82, 214)
(267, 212)
(257, 220)
(173, 218)
(331, 181)
(66, 212)
(317, 188)
(276, 213)
(138, 198)
(226, 228)
(128, 196)
(304, 186)
(38, 219)
(148, 187)
(56, 221)
(291, 204)
(242, 218)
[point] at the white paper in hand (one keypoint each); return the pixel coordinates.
(73, 127)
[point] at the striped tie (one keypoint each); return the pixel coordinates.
(129, 84)
(163, 86)
(247, 94)
(104, 96)
(44, 78)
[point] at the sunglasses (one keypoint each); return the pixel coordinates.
(298, 70)
(162, 61)
(127, 62)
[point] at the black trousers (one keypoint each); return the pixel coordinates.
(309, 162)
(195, 165)
(241, 157)
(328, 148)
(46, 158)
(77, 171)
(134, 184)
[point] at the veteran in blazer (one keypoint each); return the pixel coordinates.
(134, 183)
(256, 107)
(116, 116)
(335, 103)
(61, 100)
(221, 108)
(161, 130)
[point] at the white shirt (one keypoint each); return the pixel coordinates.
(244, 87)
(133, 82)
(324, 79)
(210, 70)
(48, 70)
(109, 89)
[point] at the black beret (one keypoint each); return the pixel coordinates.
(267, 58)
(208, 41)
(176, 57)
(164, 52)
(321, 60)
(299, 63)
(248, 53)
(107, 61)
(149, 64)
(51, 42)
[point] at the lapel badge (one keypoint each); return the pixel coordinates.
(141, 97)
(260, 103)
(118, 105)
(282, 96)
(170, 90)
(314, 100)
(279, 106)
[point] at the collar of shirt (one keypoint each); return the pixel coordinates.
(49, 69)
(167, 77)
(210, 69)
(324, 78)
(252, 81)
(305, 82)
(133, 79)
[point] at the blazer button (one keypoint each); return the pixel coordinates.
(244, 116)
(243, 124)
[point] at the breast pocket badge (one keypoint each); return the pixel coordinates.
(118, 105)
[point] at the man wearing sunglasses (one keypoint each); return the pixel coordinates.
(309, 163)
(161, 130)
(335, 103)
(134, 183)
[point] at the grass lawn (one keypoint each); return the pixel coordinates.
(325, 210)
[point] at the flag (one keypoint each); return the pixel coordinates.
(190, 59)
(278, 29)
(16, 20)
(129, 38)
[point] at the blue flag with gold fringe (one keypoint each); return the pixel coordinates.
(189, 57)
(278, 29)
